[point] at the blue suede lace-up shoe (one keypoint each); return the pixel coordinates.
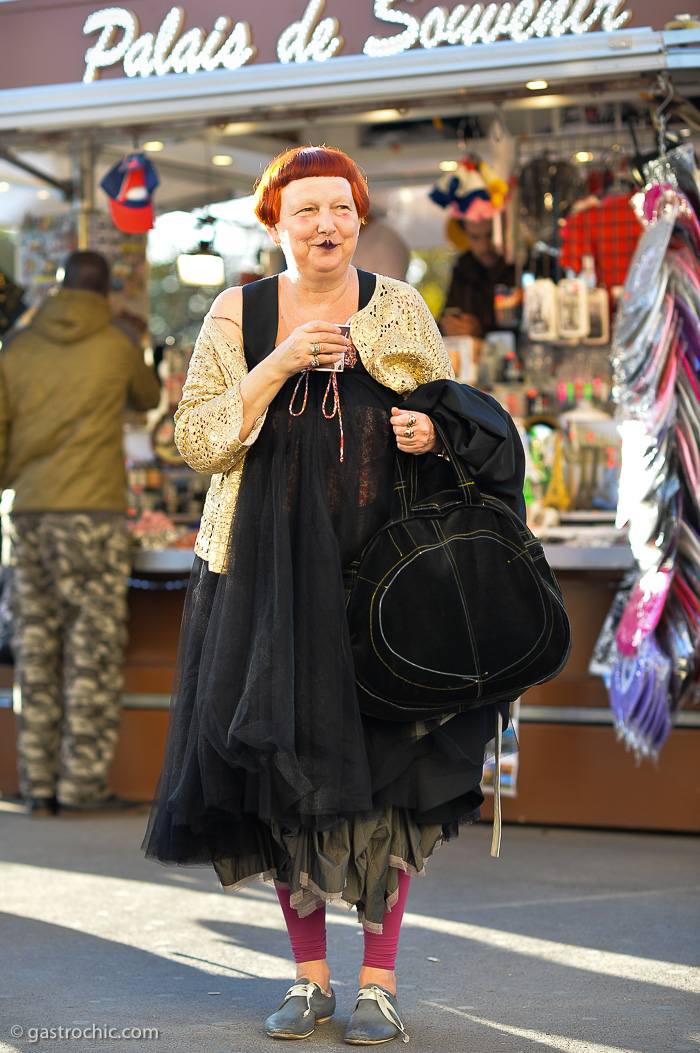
(305, 1005)
(375, 1018)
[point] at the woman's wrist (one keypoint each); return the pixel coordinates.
(257, 390)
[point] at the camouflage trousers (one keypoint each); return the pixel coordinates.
(69, 612)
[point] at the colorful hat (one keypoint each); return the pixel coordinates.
(129, 185)
(473, 191)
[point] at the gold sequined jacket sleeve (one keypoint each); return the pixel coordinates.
(207, 424)
(398, 339)
(209, 417)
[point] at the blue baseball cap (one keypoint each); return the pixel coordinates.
(129, 185)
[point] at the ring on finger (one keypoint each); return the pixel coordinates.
(315, 363)
(315, 349)
(408, 433)
(411, 421)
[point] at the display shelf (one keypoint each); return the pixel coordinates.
(177, 490)
(561, 556)
(588, 516)
(162, 561)
(588, 557)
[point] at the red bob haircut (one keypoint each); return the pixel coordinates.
(298, 163)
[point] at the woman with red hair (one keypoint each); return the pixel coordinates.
(301, 388)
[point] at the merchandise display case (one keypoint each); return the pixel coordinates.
(165, 496)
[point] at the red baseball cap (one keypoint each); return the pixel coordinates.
(129, 185)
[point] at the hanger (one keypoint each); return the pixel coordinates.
(660, 117)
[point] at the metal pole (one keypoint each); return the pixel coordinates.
(84, 187)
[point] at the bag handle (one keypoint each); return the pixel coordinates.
(406, 485)
(406, 482)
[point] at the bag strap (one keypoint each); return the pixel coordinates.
(497, 818)
(405, 494)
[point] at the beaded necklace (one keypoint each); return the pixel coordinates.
(334, 410)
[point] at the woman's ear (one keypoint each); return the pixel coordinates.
(274, 234)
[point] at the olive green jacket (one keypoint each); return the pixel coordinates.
(64, 382)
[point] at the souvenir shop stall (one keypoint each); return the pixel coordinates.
(646, 651)
(562, 102)
(599, 368)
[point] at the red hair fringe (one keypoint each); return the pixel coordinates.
(298, 163)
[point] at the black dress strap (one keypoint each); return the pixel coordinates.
(259, 319)
(260, 313)
(368, 283)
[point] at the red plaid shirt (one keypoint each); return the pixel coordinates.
(608, 232)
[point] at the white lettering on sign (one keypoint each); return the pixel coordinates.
(105, 53)
(474, 23)
(315, 39)
(305, 40)
(168, 51)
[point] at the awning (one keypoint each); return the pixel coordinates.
(269, 91)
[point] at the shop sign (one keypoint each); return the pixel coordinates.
(315, 39)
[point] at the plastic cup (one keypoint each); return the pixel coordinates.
(340, 364)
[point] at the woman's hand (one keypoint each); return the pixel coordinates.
(312, 345)
(414, 431)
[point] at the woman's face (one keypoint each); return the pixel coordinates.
(318, 225)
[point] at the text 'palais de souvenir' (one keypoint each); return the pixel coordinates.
(313, 38)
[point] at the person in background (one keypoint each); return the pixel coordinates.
(381, 249)
(64, 381)
(469, 309)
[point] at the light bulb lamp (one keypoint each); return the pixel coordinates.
(201, 267)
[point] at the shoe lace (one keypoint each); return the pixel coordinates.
(385, 1007)
(302, 991)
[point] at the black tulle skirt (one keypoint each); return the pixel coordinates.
(270, 770)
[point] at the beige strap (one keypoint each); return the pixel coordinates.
(496, 839)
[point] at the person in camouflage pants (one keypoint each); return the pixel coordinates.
(69, 615)
(65, 379)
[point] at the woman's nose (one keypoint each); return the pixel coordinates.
(326, 223)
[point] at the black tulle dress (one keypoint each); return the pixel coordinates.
(270, 770)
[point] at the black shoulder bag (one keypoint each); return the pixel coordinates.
(452, 604)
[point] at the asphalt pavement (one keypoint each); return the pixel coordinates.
(576, 941)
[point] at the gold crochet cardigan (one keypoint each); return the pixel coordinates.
(399, 344)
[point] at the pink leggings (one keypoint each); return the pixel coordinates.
(308, 935)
